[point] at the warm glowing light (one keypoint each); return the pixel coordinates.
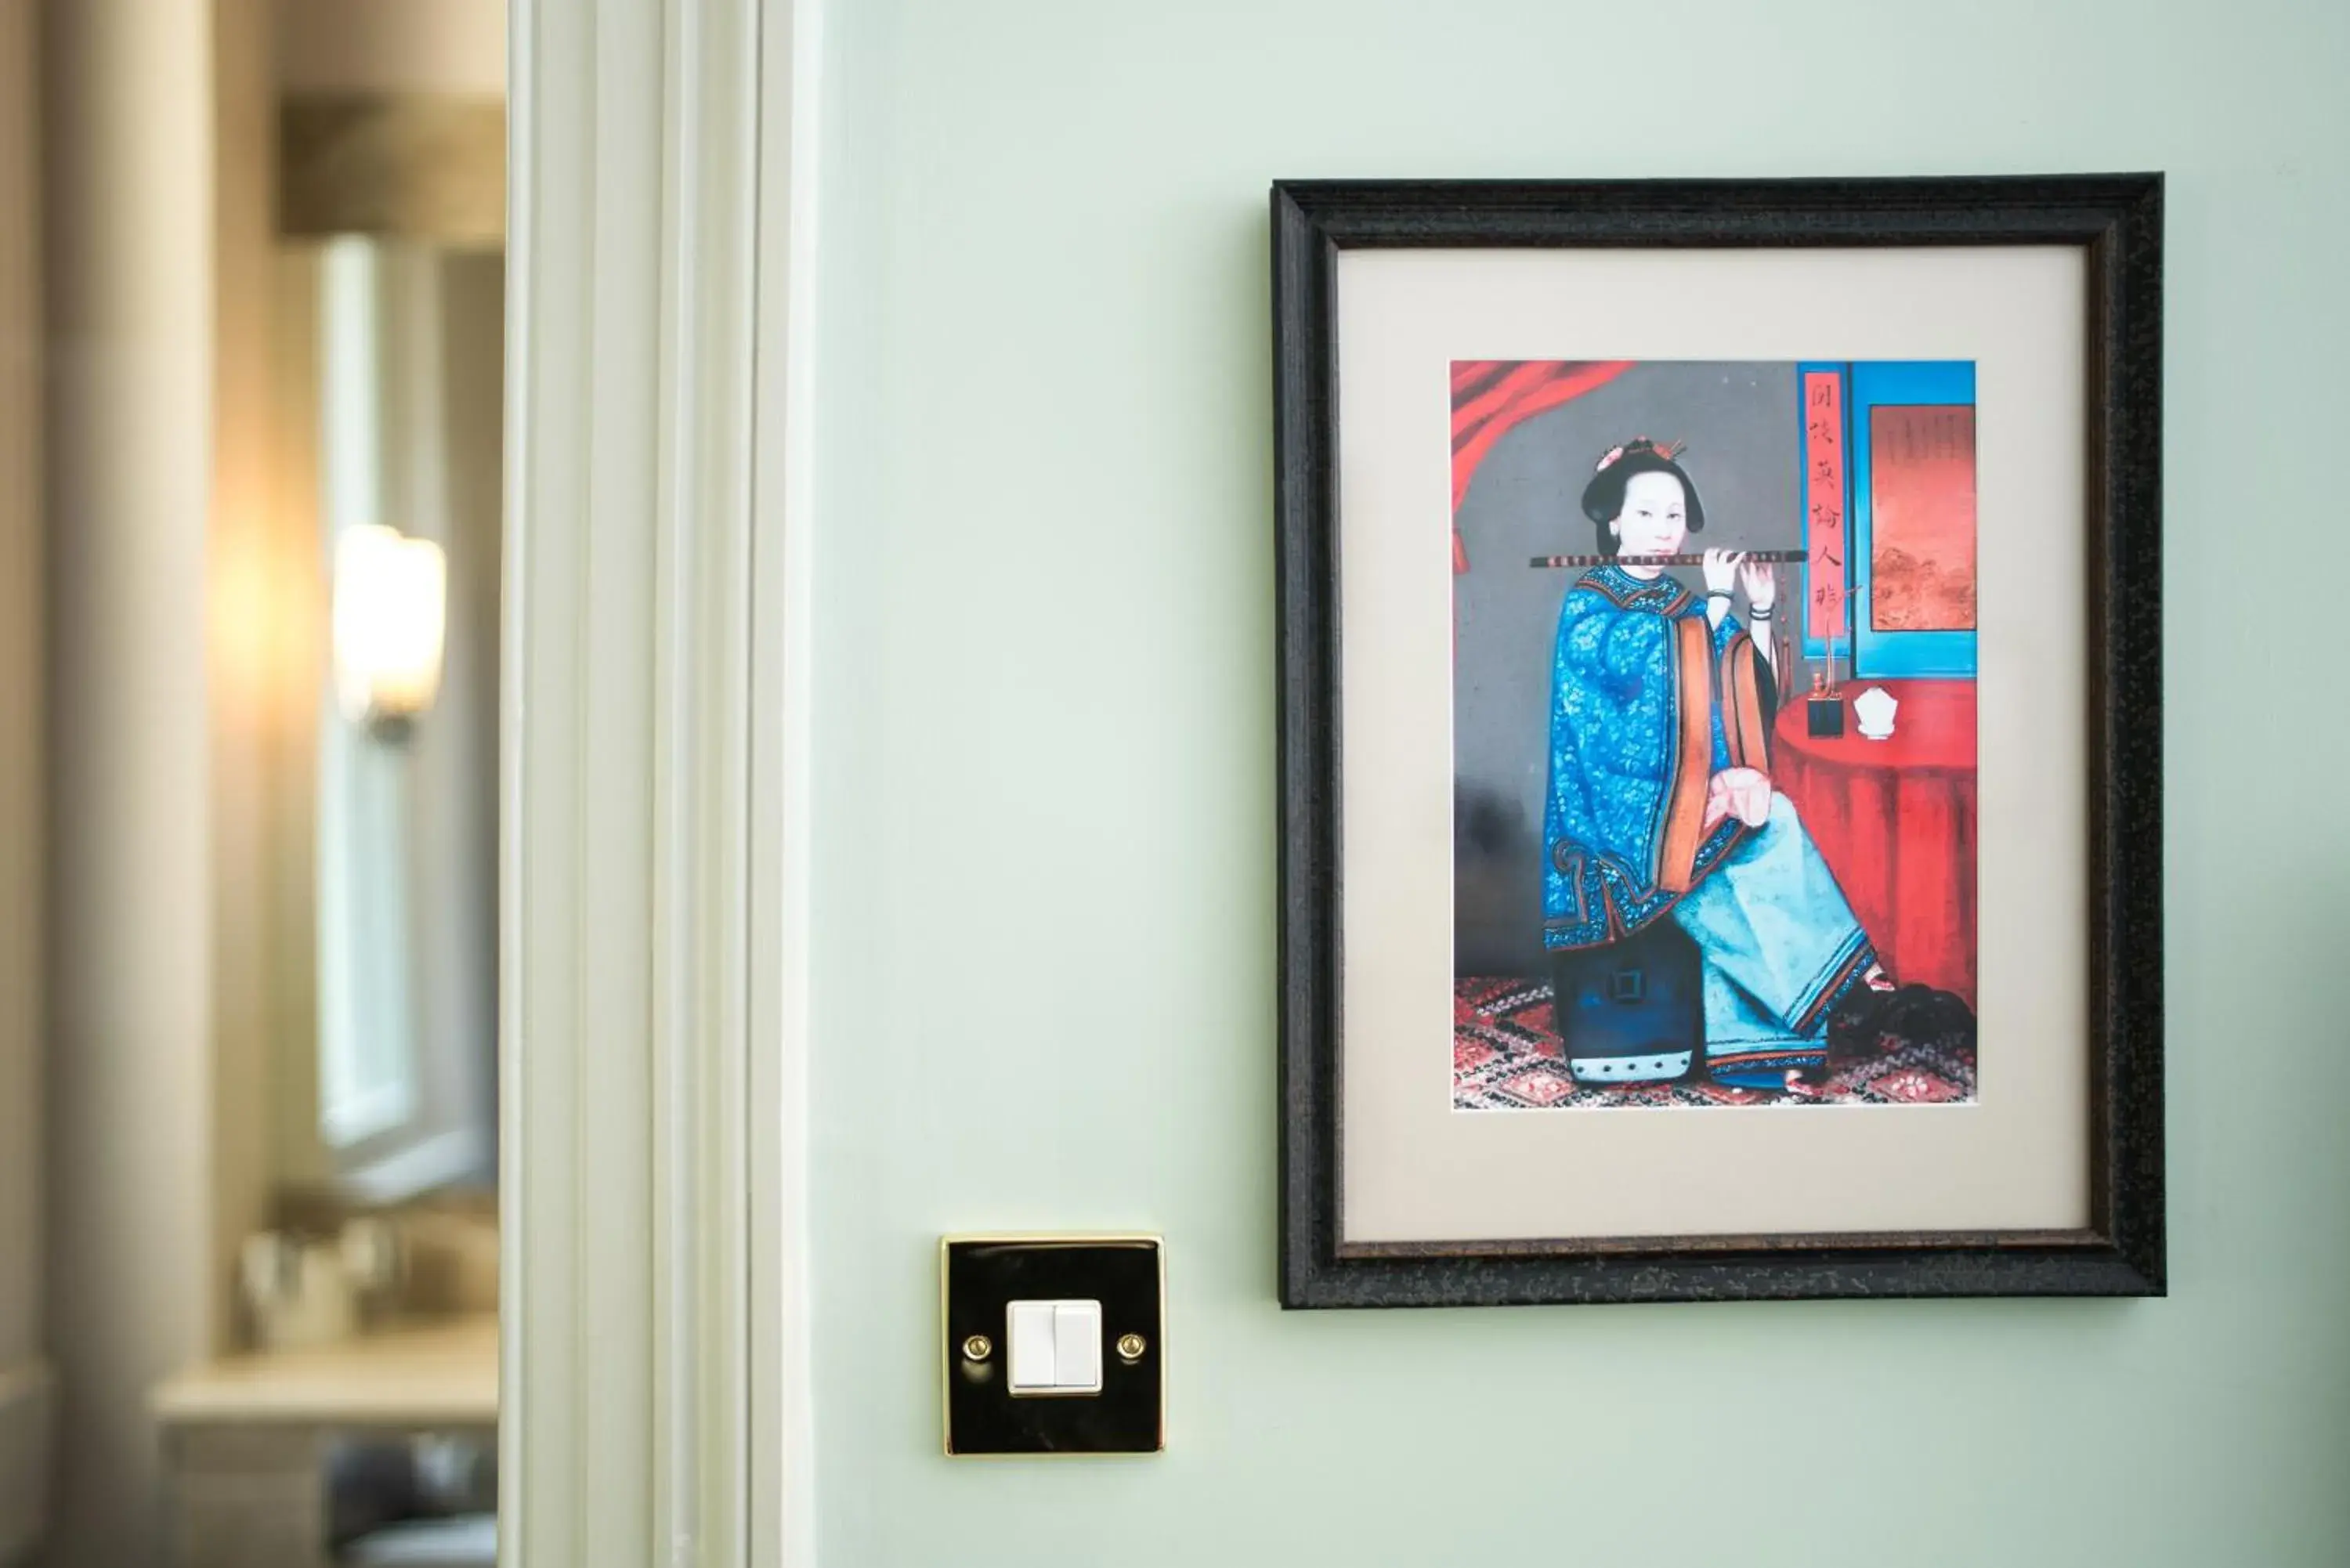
(390, 608)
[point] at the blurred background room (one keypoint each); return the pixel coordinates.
(251, 395)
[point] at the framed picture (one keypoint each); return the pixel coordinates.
(1720, 739)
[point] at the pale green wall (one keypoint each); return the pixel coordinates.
(1045, 795)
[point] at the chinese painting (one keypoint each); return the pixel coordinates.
(1714, 734)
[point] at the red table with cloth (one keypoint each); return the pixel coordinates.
(1895, 820)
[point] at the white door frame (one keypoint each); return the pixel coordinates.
(654, 868)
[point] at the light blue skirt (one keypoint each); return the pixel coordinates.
(1781, 948)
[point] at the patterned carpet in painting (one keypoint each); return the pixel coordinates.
(1506, 1056)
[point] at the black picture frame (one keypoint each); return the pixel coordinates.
(2117, 220)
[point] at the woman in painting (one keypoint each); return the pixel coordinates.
(1660, 805)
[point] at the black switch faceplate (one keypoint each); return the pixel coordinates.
(983, 1273)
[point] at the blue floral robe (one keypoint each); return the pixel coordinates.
(1648, 701)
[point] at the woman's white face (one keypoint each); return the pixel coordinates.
(1655, 519)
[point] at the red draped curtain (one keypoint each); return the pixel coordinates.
(1490, 397)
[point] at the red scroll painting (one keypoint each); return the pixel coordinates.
(1825, 545)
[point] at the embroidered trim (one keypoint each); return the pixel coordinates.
(1607, 900)
(1742, 705)
(1776, 1060)
(1621, 588)
(1841, 980)
(1773, 1055)
(1690, 770)
(1568, 859)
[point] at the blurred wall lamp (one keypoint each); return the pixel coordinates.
(390, 608)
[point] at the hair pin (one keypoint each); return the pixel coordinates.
(1668, 451)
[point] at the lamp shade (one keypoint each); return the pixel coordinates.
(391, 610)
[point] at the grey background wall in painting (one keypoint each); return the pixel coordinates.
(1741, 420)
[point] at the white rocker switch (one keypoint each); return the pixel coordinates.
(1077, 1347)
(1031, 1331)
(1057, 1347)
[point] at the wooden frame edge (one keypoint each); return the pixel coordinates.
(2117, 219)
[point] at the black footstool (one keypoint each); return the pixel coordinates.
(1633, 1012)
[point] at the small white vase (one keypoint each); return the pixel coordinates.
(1873, 710)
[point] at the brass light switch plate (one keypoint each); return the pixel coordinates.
(1052, 1344)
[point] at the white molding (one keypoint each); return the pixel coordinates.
(654, 722)
(27, 1417)
(782, 1430)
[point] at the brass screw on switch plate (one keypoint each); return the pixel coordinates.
(1131, 1347)
(978, 1347)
